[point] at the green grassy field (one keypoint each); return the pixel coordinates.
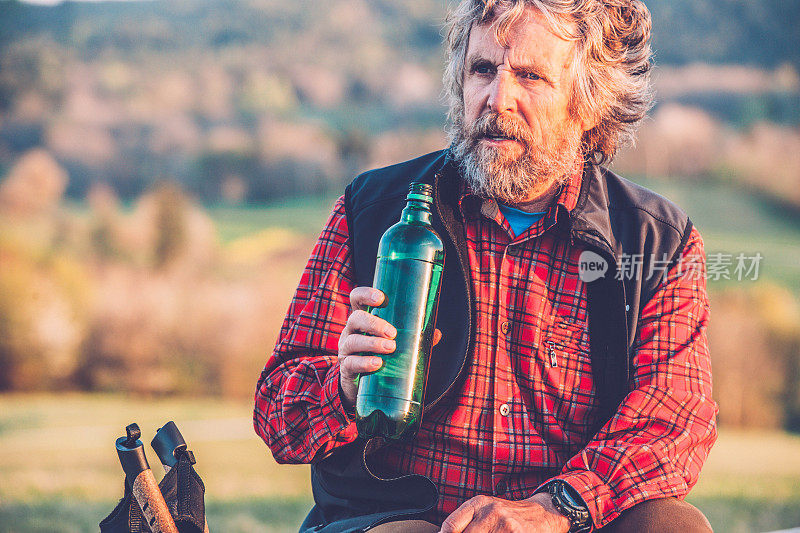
(59, 470)
(301, 215)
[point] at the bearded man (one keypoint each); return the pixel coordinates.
(559, 398)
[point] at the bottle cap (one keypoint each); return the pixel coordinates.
(422, 192)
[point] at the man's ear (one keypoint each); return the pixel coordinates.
(588, 123)
(582, 117)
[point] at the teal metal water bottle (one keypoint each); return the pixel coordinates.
(408, 271)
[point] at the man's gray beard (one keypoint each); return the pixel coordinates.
(490, 173)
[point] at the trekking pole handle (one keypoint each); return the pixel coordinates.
(142, 482)
(169, 446)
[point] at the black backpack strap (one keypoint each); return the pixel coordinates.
(608, 344)
(127, 517)
(184, 493)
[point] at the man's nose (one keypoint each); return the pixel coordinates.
(502, 93)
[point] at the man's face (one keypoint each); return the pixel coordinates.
(517, 138)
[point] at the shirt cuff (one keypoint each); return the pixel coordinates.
(332, 402)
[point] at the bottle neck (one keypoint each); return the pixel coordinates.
(416, 212)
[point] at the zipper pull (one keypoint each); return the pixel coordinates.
(552, 352)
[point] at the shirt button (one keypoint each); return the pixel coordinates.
(505, 327)
(505, 409)
(500, 489)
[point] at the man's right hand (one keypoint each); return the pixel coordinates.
(362, 333)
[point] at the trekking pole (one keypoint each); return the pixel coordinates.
(169, 446)
(143, 484)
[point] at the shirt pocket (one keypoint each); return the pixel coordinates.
(564, 349)
(565, 345)
(553, 359)
(567, 383)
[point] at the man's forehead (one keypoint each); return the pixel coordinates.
(529, 38)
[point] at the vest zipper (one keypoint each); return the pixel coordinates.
(467, 289)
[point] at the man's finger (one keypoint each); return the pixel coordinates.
(363, 322)
(350, 367)
(459, 519)
(437, 336)
(354, 364)
(363, 297)
(355, 344)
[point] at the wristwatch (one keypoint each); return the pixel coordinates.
(570, 504)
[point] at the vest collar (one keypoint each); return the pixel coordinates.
(590, 220)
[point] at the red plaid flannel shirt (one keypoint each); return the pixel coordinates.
(524, 413)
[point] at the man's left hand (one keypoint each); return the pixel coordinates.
(487, 514)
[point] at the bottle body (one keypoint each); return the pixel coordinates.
(408, 271)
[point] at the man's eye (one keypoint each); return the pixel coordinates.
(483, 69)
(531, 76)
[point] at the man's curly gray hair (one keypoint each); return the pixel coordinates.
(611, 70)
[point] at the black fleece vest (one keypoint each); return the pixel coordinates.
(613, 217)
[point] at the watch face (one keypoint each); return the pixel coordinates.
(571, 496)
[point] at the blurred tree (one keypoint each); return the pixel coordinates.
(19, 355)
(170, 224)
(34, 186)
(43, 317)
(754, 338)
(104, 233)
(213, 169)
